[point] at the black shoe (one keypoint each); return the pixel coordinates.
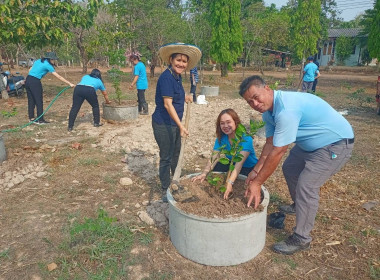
(98, 124)
(41, 122)
(291, 245)
(70, 128)
(164, 196)
(288, 209)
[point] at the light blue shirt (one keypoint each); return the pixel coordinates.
(310, 72)
(140, 70)
(305, 119)
(40, 69)
(96, 83)
(247, 147)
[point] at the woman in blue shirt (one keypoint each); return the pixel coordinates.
(170, 101)
(226, 124)
(34, 87)
(141, 82)
(86, 90)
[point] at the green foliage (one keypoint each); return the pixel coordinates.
(99, 246)
(306, 27)
(274, 86)
(226, 33)
(344, 47)
(116, 77)
(4, 254)
(359, 95)
(374, 269)
(373, 36)
(290, 79)
(9, 114)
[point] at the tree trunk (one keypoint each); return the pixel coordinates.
(224, 69)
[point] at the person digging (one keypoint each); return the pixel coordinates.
(323, 139)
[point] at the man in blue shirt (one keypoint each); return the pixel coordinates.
(310, 73)
(323, 144)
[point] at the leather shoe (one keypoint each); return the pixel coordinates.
(291, 245)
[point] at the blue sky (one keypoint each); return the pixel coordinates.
(350, 8)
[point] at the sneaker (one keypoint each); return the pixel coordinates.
(70, 128)
(41, 122)
(291, 245)
(288, 209)
(98, 124)
(164, 196)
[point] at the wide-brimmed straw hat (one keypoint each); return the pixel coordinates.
(51, 55)
(193, 52)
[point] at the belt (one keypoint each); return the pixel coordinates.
(344, 141)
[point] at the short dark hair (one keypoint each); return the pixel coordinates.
(251, 81)
(134, 57)
(95, 73)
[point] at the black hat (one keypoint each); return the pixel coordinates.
(310, 58)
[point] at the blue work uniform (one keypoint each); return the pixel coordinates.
(247, 147)
(140, 70)
(40, 69)
(96, 83)
(305, 119)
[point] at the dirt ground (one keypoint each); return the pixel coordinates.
(52, 175)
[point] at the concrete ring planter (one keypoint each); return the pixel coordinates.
(218, 241)
(120, 112)
(210, 90)
(3, 151)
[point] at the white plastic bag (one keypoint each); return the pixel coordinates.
(201, 99)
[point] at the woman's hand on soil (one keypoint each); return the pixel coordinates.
(201, 177)
(108, 102)
(228, 191)
(253, 193)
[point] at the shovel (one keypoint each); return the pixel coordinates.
(179, 192)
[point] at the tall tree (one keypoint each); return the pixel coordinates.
(374, 31)
(306, 28)
(226, 34)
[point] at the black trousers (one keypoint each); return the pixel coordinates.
(35, 99)
(141, 98)
(82, 93)
(168, 138)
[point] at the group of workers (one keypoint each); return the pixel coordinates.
(323, 138)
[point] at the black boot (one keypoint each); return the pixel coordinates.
(140, 108)
(145, 109)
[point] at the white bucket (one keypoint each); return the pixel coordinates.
(218, 241)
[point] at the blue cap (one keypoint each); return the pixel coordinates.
(310, 58)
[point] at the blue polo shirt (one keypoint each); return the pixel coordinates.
(310, 72)
(305, 119)
(40, 69)
(140, 70)
(96, 83)
(169, 85)
(247, 147)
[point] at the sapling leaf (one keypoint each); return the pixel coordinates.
(232, 167)
(222, 189)
(224, 161)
